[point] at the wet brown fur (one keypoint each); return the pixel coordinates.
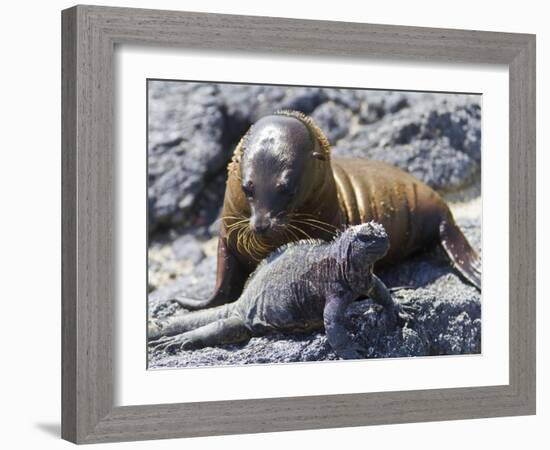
(342, 192)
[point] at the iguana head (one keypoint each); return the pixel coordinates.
(360, 246)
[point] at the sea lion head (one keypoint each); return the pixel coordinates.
(278, 153)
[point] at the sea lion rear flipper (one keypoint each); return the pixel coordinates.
(464, 258)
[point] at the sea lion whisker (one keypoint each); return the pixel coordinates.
(320, 222)
(312, 218)
(248, 245)
(300, 230)
(292, 234)
(258, 248)
(285, 235)
(235, 227)
(238, 240)
(244, 241)
(241, 244)
(236, 224)
(234, 218)
(253, 245)
(240, 216)
(304, 232)
(314, 226)
(297, 214)
(230, 231)
(264, 247)
(239, 222)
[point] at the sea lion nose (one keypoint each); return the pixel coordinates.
(261, 228)
(260, 224)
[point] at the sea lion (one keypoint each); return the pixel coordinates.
(283, 186)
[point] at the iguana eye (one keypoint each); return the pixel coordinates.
(248, 189)
(283, 188)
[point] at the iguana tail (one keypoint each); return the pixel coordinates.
(180, 323)
(464, 258)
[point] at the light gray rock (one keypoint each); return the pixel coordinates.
(187, 247)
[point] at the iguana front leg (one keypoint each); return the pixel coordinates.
(381, 295)
(335, 325)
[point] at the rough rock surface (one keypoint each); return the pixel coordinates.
(193, 129)
(438, 140)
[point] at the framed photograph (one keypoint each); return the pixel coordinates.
(264, 229)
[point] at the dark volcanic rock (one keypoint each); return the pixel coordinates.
(250, 103)
(304, 99)
(380, 103)
(333, 119)
(434, 162)
(439, 141)
(179, 167)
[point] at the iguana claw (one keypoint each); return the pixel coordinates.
(403, 314)
(172, 344)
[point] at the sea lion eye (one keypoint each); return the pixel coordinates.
(248, 189)
(283, 188)
(318, 155)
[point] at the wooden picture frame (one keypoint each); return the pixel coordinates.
(90, 34)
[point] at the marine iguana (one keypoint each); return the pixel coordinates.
(300, 287)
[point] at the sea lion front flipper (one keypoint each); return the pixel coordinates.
(335, 326)
(230, 279)
(464, 258)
